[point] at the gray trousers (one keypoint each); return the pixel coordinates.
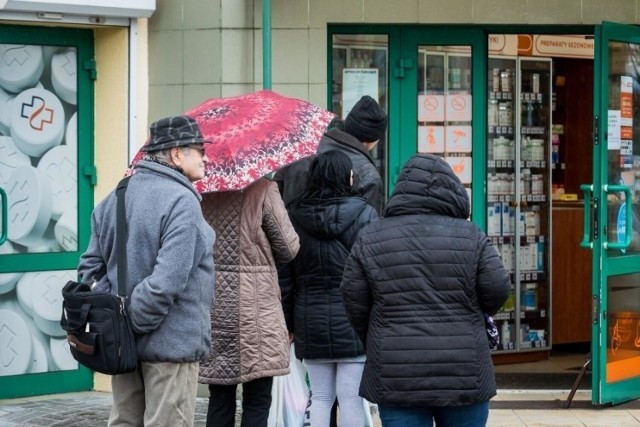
(156, 394)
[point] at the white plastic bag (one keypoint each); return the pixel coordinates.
(290, 394)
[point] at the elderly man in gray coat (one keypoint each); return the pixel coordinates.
(169, 279)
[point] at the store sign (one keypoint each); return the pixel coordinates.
(564, 46)
(569, 46)
(503, 44)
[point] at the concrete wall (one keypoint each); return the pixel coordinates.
(212, 48)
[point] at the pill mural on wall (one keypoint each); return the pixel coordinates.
(38, 171)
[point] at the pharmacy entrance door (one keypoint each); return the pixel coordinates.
(612, 223)
(46, 144)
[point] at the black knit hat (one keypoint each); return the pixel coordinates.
(173, 131)
(367, 121)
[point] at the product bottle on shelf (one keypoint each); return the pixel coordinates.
(505, 335)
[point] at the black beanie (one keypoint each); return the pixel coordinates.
(367, 121)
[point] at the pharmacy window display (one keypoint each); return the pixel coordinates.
(518, 194)
(38, 172)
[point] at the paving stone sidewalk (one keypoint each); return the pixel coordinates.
(86, 409)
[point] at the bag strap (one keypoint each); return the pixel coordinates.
(121, 237)
(79, 321)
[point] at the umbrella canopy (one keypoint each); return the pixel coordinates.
(253, 135)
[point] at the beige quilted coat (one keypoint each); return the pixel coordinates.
(249, 335)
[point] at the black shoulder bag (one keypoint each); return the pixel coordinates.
(98, 330)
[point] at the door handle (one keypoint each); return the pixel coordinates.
(5, 215)
(628, 228)
(587, 190)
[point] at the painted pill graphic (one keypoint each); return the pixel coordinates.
(37, 121)
(20, 66)
(30, 204)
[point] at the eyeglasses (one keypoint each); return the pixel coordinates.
(199, 148)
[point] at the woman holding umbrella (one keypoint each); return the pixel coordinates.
(249, 344)
(327, 218)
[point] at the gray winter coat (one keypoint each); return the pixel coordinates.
(415, 287)
(170, 263)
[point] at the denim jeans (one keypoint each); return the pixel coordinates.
(475, 415)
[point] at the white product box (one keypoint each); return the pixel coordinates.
(508, 219)
(494, 219)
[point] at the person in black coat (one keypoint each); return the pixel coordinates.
(360, 132)
(327, 219)
(415, 288)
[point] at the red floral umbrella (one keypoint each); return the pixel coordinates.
(253, 135)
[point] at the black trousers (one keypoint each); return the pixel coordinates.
(256, 401)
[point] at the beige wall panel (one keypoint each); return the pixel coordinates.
(294, 90)
(257, 56)
(554, 12)
(165, 57)
(142, 80)
(168, 16)
(237, 56)
(164, 100)
(499, 11)
(290, 56)
(199, 14)
(101, 382)
(111, 107)
(195, 94)
(332, 11)
(201, 56)
(596, 11)
(237, 89)
(237, 13)
(318, 95)
(397, 11)
(317, 56)
(284, 14)
(444, 11)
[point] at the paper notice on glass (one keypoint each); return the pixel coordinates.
(458, 139)
(430, 139)
(626, 101)
(461, 167)
(357, 82)
(613, 130)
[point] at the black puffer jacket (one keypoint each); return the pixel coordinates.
(311, 286)
(415, 287)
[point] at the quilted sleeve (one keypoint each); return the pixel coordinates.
(278, 228)
(493, 284)
(356, 294)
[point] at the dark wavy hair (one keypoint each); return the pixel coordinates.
(329, 176)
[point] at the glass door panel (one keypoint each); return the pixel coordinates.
(518, 194)
(444, 95)
(616, 246)
(359, 67)
(43, 89)
(38, 143)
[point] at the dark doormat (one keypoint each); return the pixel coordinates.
(541, 380)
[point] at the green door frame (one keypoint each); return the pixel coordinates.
(449, 35)
(82, 40)
(403, 42)
(605, 265)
